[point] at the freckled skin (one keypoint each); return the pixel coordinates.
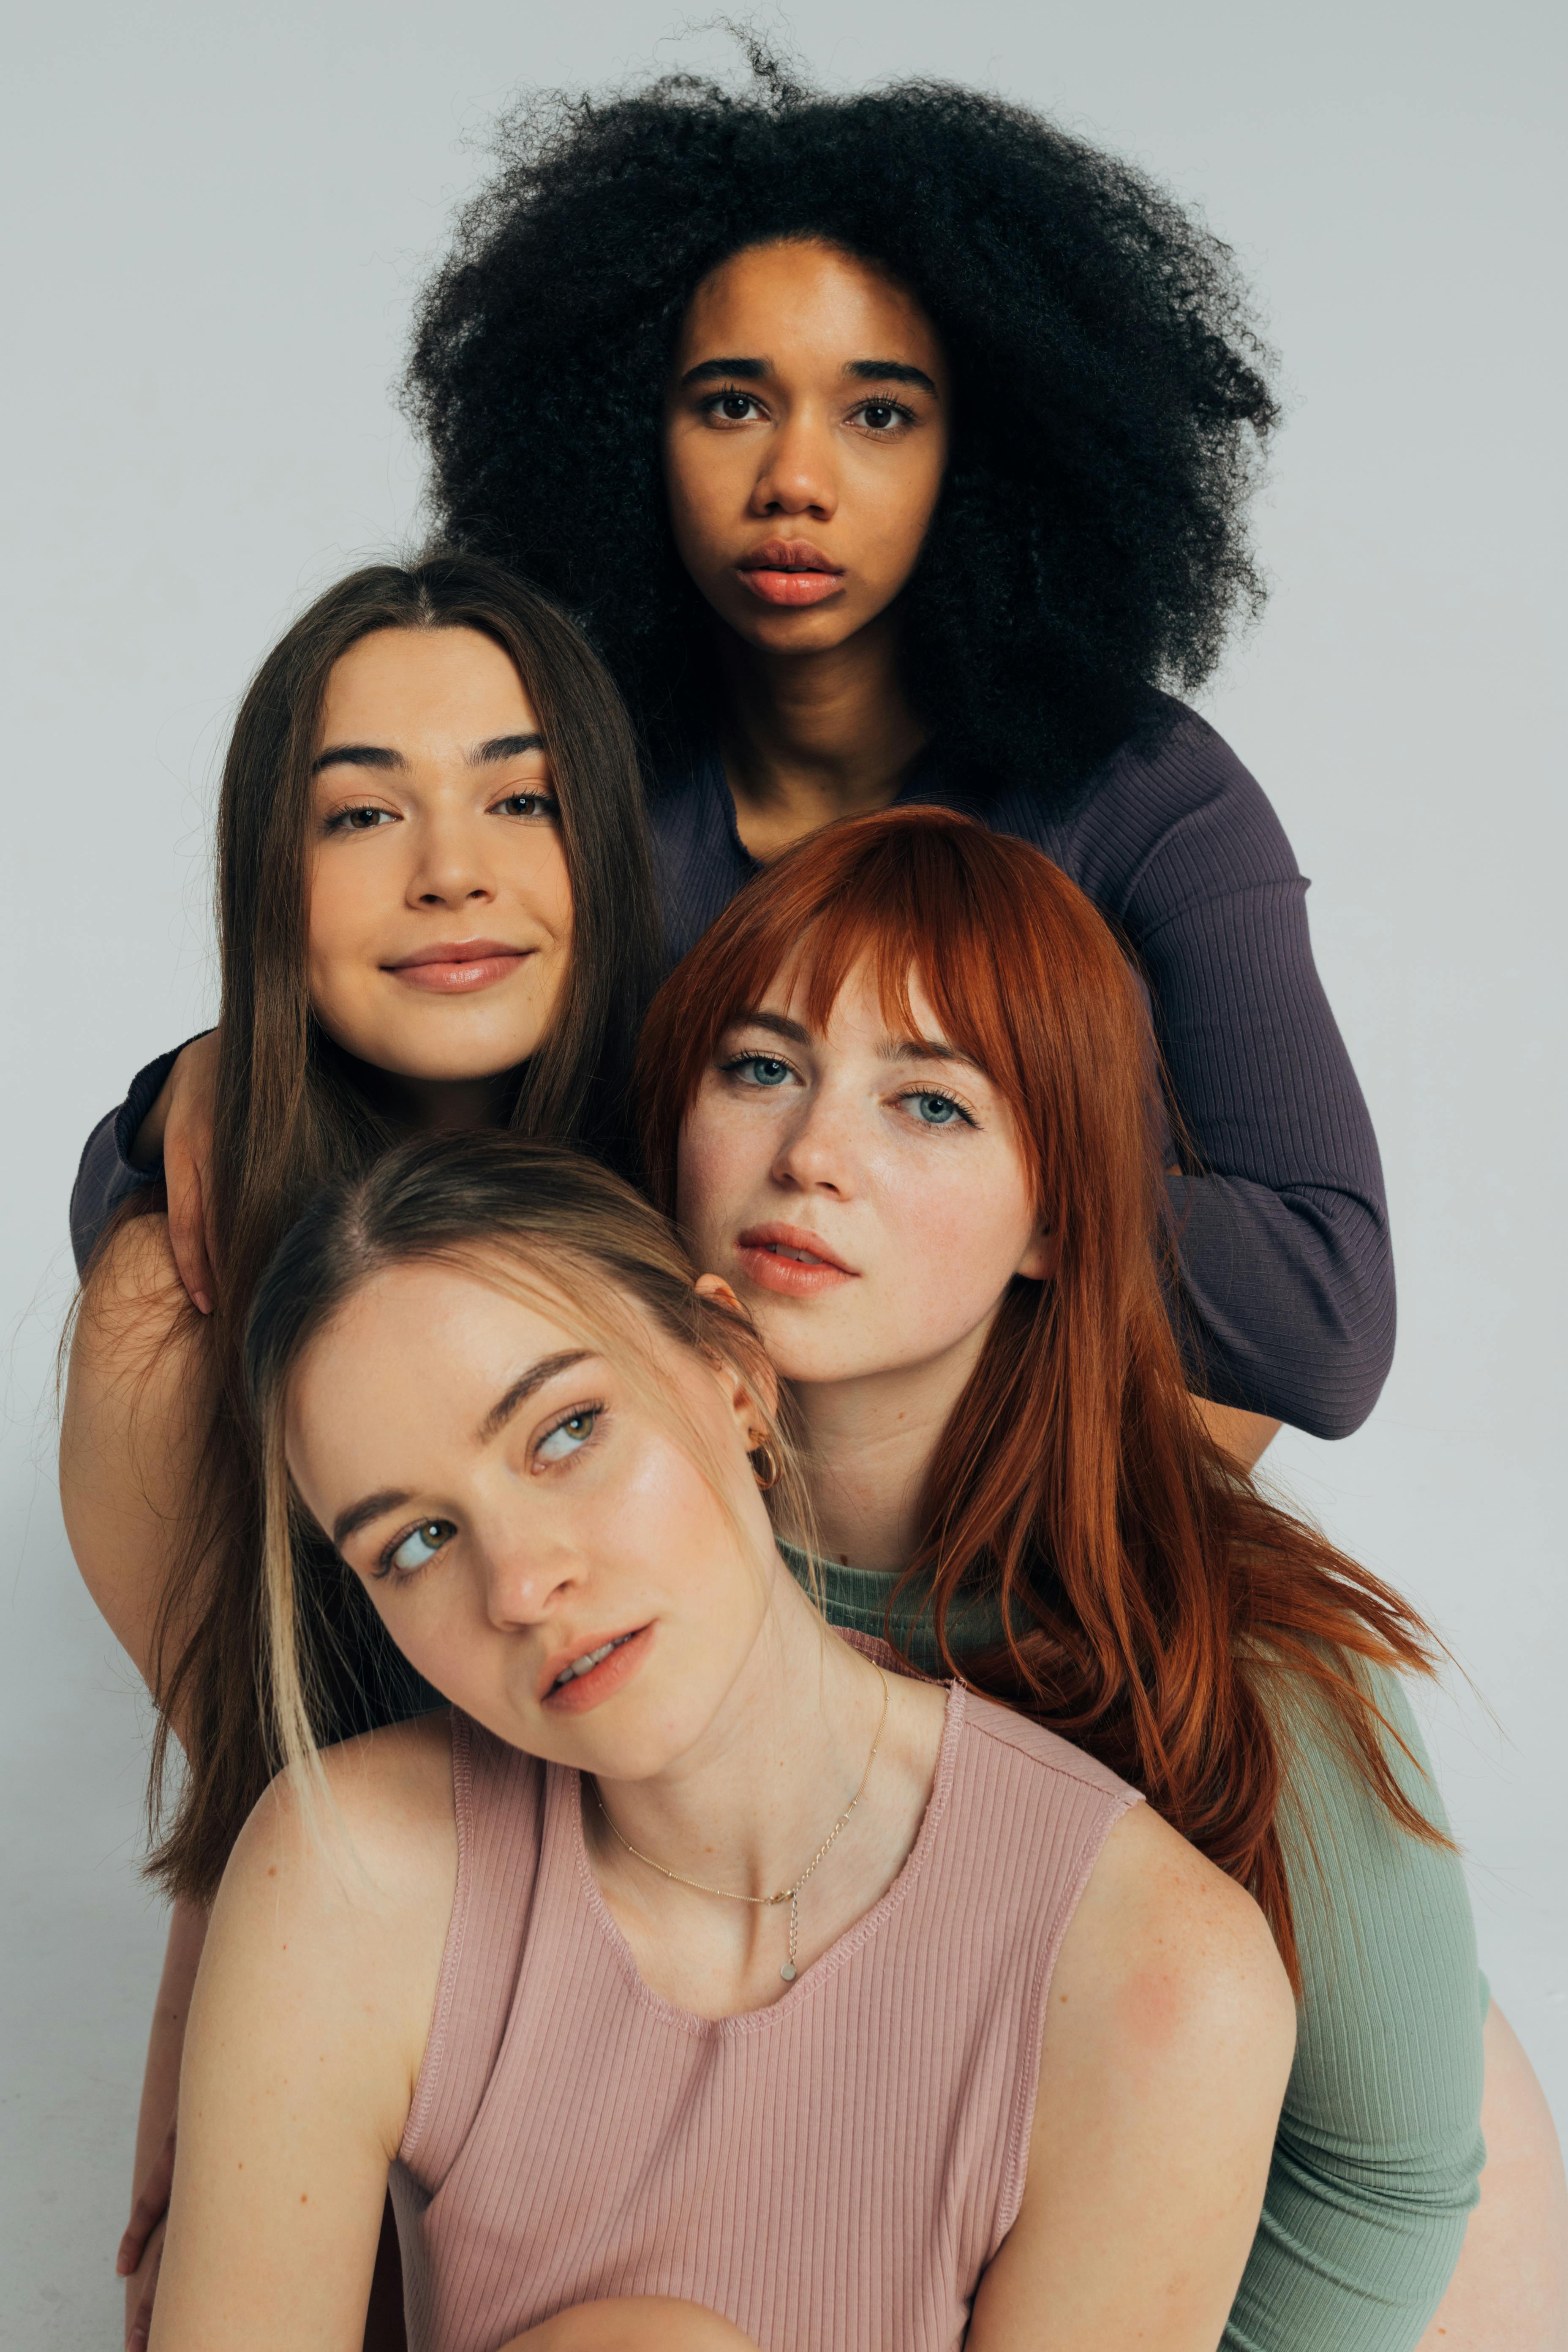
(837, 1149)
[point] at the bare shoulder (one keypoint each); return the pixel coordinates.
(1167, 1953)
(375, 1830)
(336, 1902)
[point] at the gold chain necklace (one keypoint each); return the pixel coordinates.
(789, 1894)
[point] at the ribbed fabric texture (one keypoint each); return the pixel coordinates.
(1379, 2149)
(1288, 1273)
(832, 2170)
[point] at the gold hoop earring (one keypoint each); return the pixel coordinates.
(768, 1474)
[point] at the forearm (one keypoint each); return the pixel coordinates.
(1287, 1306)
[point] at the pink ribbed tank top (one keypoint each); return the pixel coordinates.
(834, 2171)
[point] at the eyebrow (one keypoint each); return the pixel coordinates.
(892, 1049)
(534, 1378)
(380, 755)
(892, 371)
(392, 1499)
(359, 1514)
(861, 370)
(927, 1049)
(776, 1024)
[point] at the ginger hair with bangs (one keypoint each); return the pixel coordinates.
(1150, 1595)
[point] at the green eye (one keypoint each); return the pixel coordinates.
(568, 1436)
(420, 1545)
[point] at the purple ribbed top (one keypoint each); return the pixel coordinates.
(836, 2168)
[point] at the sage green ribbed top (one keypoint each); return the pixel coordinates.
(1379, 2148)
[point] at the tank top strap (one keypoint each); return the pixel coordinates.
(498, 1799)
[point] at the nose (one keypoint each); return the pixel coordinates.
(525, 1572)
(450, 865)
(797, 475)
(816, 1153)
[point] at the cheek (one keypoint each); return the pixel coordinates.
(341, 909)
(905, 518)
(720, 1161)
(957, 1237)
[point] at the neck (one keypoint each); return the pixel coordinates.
(438, 1106)
(807, 737)
(869, 1444)
(747, 1806)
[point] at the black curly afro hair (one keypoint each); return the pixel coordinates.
(1089, 545)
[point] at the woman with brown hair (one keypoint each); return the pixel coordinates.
(902, 1100)
(435, 910)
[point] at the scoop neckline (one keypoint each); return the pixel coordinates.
(564, 1817)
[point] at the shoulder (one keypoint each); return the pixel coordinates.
(1028, 1753)
(1171, 1959)
(350, 1871)
(380, 1804)
(1174, 812)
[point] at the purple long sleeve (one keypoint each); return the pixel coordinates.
(105, 1174)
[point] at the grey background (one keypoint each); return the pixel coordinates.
(215, 218)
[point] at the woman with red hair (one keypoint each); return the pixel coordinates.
(903, 1100)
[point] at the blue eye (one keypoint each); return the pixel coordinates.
(760, 1069)
(935, 1110)
(420, 1547)
(568, 1436)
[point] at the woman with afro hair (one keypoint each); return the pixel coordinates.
(895, 448)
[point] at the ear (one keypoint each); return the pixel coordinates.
(741, 1394)
(1042, 1257)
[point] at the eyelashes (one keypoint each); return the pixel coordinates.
(712, 402)
(734, 1064)
(526, 806)
(576, 1428)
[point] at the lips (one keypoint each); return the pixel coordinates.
(792, 1262)
(790, 572)
(573, 1683)
(459, 966)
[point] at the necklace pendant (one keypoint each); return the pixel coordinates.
(787, 1972)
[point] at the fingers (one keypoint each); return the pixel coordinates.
(140, 2327)
(152, 2204)
(187, 1223)
(187, 1155)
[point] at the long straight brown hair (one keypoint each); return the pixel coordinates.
(293, 1111)
(1150, 1595)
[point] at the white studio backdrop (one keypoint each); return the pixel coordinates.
(216, 220)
